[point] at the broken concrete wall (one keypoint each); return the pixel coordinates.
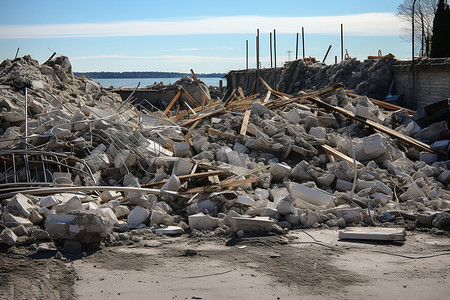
(424, 84)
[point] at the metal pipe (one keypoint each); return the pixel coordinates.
(26, 117)
(303, 42)
(246, 54)
(257, 49)
(87, 189)
(342, 42)
(271, 62)
(296, 48)
(329, 47)
(274, 48)
(412, 21)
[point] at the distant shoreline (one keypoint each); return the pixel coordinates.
(152, 74)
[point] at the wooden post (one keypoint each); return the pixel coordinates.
(274, 48)
(296, 48)
(303, 42)
(17, 52)
(246, 54)
(342, 42)
(220, 85)
(271, 63)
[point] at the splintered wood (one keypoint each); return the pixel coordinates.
(199, 110)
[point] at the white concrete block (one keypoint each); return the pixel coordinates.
(160, 217)
(48, 201)
(170, 230)
(251, 224)
(20, 205)
(137, 216)
(172, 184)
(312, 195)
(245, 200)
(182, 167)
(72, 204)
(8, 237)
(181, 149)
(121, 211)
(201, 221)
(279, 171)
(318, 132)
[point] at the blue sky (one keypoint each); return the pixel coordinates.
(207, 36)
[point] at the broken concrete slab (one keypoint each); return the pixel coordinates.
(137, 216)
(8, 237)
(170, 230)
(201, 221)
(257, 224)
(373, 233)
(312, 195)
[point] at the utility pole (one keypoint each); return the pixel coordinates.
(246, 54)
(296, 48)
(303, 42)
(271, 64)
(275, 48)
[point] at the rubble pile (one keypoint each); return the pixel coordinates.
(79, 166)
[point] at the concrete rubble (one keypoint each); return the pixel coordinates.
(243, 164)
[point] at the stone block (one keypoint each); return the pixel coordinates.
(170, 230)
(121, 211)
(137, 216)
(301, 171)
(200, 145)
(259, 109)
(48, 201)
(20, 205)
(292, 116)
(311, 195)
(327, 121)
(374, 144)
(8, 237)
(110, 195)
(237, 159)
(172, 184)
(415, 192)
(20, 230)
(326, 180)
(350, 215)
(286, 207)
(73, 204)
(182, 167)
(245, 200)
(428, 158)
(444, 177)
(181, 149)
(257, 224)
(279, 171)
(343, 185)
(11, 220)
(276, 194)
(318, 132)
(201, 221)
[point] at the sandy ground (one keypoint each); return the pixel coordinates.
(310, 264)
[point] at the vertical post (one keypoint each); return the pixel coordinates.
(26, 117)
(303, 42)
(271, 63)
(342, 42)
(17, 52)
(246, 54)
(274, 48)
(412, 60)
(257, 49)
(296, 48)
(220, 85)
(335, 59)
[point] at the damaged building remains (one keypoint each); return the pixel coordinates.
(81, 166)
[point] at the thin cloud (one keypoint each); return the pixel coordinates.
(370, 24)
(164, 58)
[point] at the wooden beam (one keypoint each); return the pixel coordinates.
(404, 138)
(172, 102)
(199, 86)
(189, 96)
(337, 154)
(245, 123)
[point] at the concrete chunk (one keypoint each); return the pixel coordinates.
(318, 132)
(201, 221)
(8, 237)
(182, 167)
(256, 224)
(170, 230)
(20, 205)
(137, 216)
(181, 149)
(279, 171)
(48, 201)
(245, 200)
(373, 233)
(312, 195)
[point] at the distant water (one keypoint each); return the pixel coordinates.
(133, 82)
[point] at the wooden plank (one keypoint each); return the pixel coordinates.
(337, 154)
(172, 102)
(215, 132)
(267, 97)
(200, 87)
(241, 93)
(404, 138)
(245, 123)
(189, 96)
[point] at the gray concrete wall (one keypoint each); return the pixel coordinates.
(431, 83)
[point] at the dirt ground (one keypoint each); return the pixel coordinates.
(310, 264)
